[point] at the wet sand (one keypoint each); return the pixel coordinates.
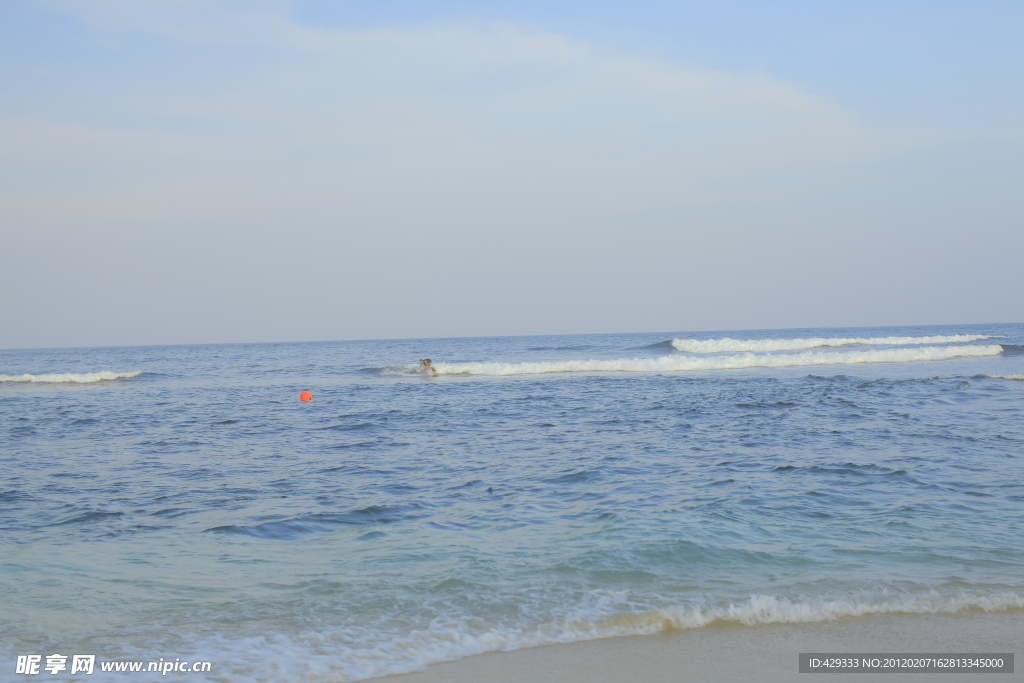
(766, 653)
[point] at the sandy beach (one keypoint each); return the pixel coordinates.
(742, 653)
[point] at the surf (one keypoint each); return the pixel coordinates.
(364, 653)
(730, 345)
(71, 378)
(722, 362)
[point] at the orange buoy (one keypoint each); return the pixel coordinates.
(305, 396)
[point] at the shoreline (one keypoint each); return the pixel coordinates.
(729, 652)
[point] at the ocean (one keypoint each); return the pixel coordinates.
(181, 504)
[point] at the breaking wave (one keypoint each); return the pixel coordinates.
(359, 655)
(729, 345)
(83, 378)
(1019, 378)
(767, 609)
(738, 361)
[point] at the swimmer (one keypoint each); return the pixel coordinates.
(425, 366)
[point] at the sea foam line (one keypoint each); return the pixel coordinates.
(1019, 378)
(739, 361)
(729, 345)
(83, 378)
(354, 654)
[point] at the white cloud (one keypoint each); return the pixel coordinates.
(447, 116)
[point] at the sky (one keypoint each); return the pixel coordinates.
(208, 172)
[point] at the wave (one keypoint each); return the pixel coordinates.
(361, 654)
(582, 347)
(1019, 378)
(767, 609)
(83, 378)
(729, 345)
(310, 523)
(739, 361)
(659, 346)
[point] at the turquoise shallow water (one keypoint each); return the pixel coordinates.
(537, 490)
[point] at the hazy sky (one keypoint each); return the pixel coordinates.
(179, 172)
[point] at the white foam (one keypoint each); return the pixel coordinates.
(1019, 378)
(723, 362)
(729, 345)
(765, 609)
(83, 378)
(353, 654)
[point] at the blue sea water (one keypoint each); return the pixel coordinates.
(181, 502)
